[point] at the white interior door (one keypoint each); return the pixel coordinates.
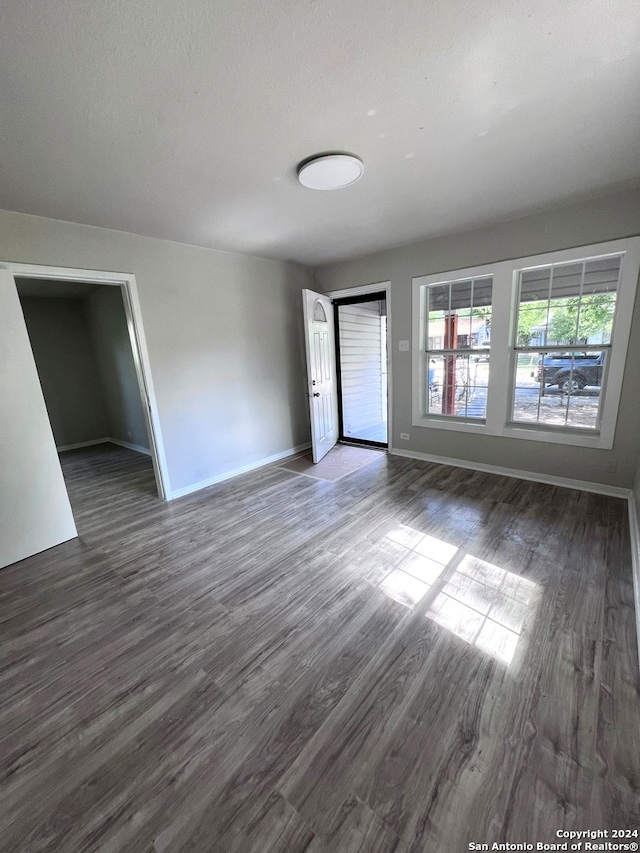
(35, 513)
(321, 372)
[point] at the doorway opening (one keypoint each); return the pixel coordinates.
(83, 355)
(362, 368)
(89, 354)
(41, 515)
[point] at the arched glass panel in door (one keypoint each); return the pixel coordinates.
(319, 315)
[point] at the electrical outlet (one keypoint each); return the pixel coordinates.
(403, 346)
(405, 436)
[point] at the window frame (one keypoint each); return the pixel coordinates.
(503, 353)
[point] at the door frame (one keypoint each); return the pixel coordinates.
(129, 290)
(367, 290)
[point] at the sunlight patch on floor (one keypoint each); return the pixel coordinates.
(485, 606)
(426, 559)
(482, 604)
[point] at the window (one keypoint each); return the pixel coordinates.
(458, 331)
(533, 348)
(563, 337)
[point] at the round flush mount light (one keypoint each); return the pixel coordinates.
(330, 171)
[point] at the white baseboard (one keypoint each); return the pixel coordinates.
(634, 522)
(107, 440)
(565, 482)
(129, 446)
(80, 444)
(235, 472)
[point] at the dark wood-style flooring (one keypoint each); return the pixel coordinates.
(413, 658)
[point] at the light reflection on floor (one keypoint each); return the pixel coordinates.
(484, 605)
(427, 557)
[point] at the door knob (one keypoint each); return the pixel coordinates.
(316, 394)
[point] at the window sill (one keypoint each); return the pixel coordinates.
(522, 433)
(574, 438)
(458, 425)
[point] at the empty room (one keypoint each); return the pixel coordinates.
(319, 426)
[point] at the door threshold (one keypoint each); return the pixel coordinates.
(362, 442)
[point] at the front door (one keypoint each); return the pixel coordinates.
(321, 372)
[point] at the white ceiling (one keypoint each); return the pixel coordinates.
(186, 121)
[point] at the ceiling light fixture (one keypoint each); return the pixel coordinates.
(330, 171)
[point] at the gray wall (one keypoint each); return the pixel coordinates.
(66, 367)
(107, 324)
(606, 218)
(224, 335)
